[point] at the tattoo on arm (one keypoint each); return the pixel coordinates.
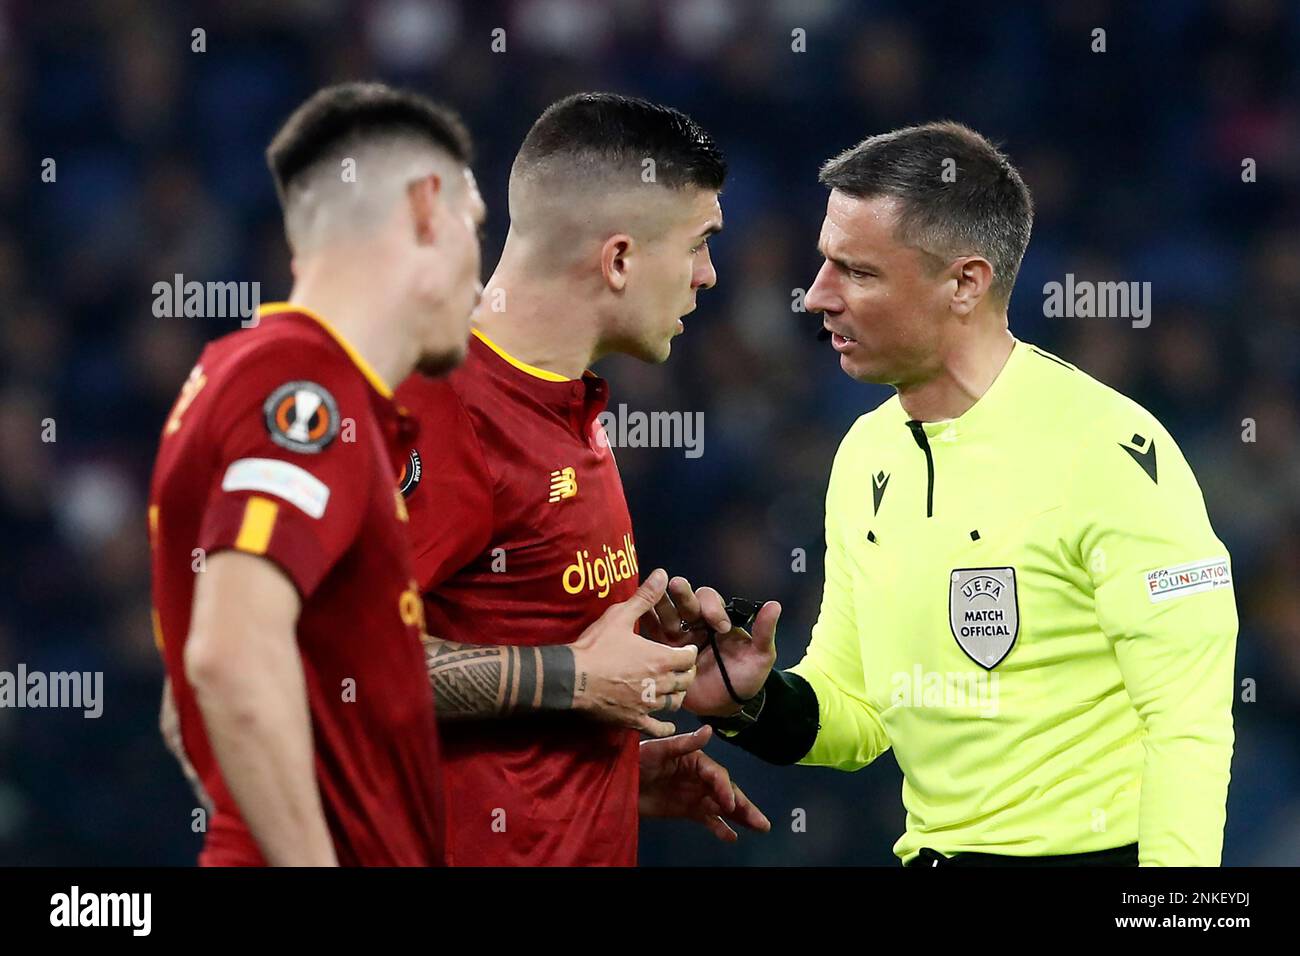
(476, 681)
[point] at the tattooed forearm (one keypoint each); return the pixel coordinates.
(476, 681)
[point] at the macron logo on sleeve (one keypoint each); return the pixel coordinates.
(1143, 451)
(283, 479)
(1165, 584)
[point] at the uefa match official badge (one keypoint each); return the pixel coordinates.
(984, 613)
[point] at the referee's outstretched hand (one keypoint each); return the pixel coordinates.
(622, 678)
(684, 617)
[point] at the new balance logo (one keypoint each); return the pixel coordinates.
(564, 484)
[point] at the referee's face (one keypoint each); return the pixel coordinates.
(882, 301)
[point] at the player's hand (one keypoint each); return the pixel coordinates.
(747, 658)
(169, 724)
(679, 780)
(622, 678)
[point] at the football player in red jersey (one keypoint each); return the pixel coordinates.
(521, 533)
(294, 653)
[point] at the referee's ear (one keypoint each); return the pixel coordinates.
(974, 278)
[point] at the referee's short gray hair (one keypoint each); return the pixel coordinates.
(981, 206)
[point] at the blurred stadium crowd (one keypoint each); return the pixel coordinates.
(1135, 158)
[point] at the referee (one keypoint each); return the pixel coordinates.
(1024, 597)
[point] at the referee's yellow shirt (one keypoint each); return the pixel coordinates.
(1029, 605)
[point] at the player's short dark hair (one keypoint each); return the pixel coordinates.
(623, 131)
(351, 112)
(985, 209)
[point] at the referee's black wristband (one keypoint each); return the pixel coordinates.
(787, 725)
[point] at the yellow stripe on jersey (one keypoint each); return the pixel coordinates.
(532, 370)
(157, 628)
(259, 522)
(279, 308)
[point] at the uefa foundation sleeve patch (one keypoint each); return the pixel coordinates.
(280, 478)
(1165, 584)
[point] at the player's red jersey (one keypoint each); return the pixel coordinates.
(522, 536)
(285, 443)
